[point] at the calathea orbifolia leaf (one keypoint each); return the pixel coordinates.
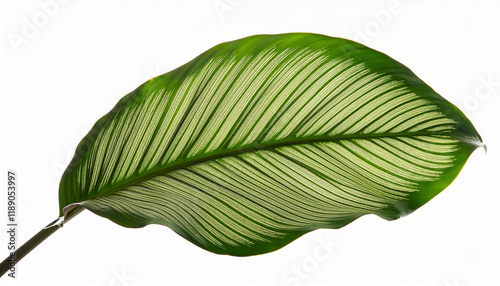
(260, 140)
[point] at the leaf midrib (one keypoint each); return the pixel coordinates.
(266, 146)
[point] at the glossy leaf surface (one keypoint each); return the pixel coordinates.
(260, 140)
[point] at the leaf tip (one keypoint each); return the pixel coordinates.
(484, 147)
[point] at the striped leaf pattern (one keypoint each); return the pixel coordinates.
(260, 140)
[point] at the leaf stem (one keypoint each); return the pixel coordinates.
(38, 238)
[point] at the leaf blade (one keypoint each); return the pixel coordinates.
(275, 107)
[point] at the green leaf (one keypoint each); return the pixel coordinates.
(258, 141)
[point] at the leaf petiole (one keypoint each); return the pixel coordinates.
(35, 241)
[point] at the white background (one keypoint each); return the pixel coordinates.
(65, 64)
